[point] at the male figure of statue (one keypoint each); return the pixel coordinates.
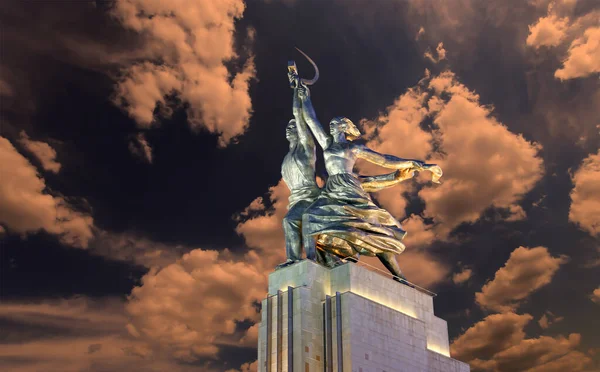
(298, 172)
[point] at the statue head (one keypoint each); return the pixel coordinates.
(291, 132)
(344, 125)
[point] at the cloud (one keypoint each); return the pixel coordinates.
(472, 144)
(25, 207)
(140, 148)
(45, 154)
(135, 248)
(491, 335)
(527, 270)
(77, 334)
(580, 31)
(595, 296)
(497, 343)
(463, 276)
(193, 40)
(582, 59)
(5, 89)
(585, 196)
(548, 319)
(246, 367)
(485, 165)
(441, 53)
(541, 354)
(261, 225)
(191, 307)
(548, 31)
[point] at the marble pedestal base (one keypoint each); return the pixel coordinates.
(349, 319)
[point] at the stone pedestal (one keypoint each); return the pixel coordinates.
(349, 319)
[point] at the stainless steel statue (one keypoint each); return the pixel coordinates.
(341, 219)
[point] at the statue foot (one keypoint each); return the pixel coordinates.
(288, 262)
(403, 281)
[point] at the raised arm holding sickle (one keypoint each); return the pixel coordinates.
(344, 220)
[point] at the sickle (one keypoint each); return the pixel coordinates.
(314, 79)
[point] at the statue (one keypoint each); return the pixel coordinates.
(343, 220)
(298, 173)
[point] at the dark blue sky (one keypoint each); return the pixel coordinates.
(63, 61)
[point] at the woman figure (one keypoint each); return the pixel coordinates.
(344, 220)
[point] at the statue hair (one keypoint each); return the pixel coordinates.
(350, 129)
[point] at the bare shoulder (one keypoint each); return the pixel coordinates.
(357, 148)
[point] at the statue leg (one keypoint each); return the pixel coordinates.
(389, 261)
(293, 238)
(310, 247)
(328, 259)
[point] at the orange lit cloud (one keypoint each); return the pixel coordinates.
(485, 165)
(580, 32)
(262, 226)
(42, 151)
(26, 207)
(548, 31)
(193, 40)
(548, 319)
(595, 296)
(463, 276)
(82, 334)
(526, 270)
(190, 307)
(140, 148)
(585, 196)
(497, 343)
(582, 59)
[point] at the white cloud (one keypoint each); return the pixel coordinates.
(25, 207)
(193, 40)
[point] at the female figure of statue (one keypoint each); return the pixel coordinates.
(343, 220)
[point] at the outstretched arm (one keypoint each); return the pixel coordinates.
(386, 161)
(390, 161)
(383, 181)
(311, 118)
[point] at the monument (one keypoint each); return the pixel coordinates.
(326, 312)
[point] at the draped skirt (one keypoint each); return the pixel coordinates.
(344, 220)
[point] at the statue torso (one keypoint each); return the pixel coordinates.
(298, 168)
(339, 158)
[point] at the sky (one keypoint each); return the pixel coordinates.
(140, 191)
